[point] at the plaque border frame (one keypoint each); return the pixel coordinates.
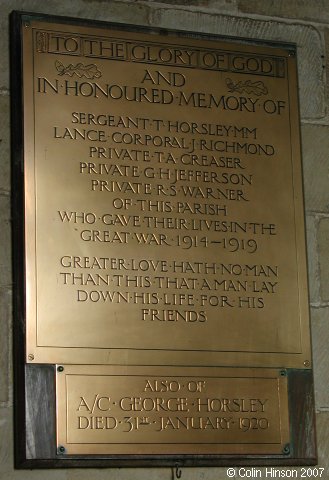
(34, 431)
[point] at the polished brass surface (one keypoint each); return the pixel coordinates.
(163, 201)
(170, 410)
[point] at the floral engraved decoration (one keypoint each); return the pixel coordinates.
(89, 71)
(258, 88)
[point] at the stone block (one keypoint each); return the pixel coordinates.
(312, 258)
(5, 341)
(119, 474)
(222, 6)
(326, 61)
(323, 242)
(307, 38)
(315, 145)
(5, 241)
(6, 455)
(6, 439)
(322, 433)
(303, 9)
(4, 143)
(147, 473)
(320, 339)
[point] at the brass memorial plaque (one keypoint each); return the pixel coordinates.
(108, 410)
(164, 270)
(163, 205)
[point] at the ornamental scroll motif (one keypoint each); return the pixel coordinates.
(258, 88)
(89, 71)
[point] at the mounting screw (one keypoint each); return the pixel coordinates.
(26, 24)
(283, 373)
(307, 363)
(292, 53)
(30, 357)
(61, 449)
(286, 449)
(60, 369)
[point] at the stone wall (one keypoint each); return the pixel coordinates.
(303, 22)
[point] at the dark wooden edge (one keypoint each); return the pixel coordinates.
(301, 399)
(302, 415)
(17, 215)
(40, 411)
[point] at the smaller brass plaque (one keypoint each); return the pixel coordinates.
(171, 410)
